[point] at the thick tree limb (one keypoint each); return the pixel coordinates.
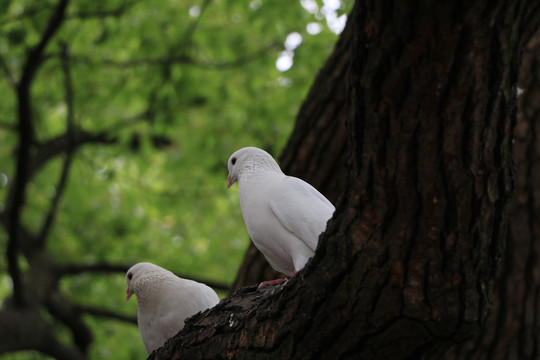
(407, 263)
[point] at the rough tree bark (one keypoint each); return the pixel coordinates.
(512, 329)
(407, 265)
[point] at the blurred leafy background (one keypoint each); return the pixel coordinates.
(176, 87)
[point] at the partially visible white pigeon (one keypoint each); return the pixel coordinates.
(164, 301)
(284, 215)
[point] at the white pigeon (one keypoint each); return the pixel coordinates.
(164, 301)
(284, 215)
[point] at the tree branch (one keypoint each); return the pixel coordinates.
(68, 99)
(33, 60)
(47, 151)
(76, 269)
(68, 90)
(60, 144)
(104, 313)
(44, 153)
(186, 41)
(66, 313)
(49, 219)
(26, 138)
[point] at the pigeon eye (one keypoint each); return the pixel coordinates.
(130, 276)
(233, 160)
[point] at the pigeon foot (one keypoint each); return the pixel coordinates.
(271, 282)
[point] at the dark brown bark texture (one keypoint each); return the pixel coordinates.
(512, 330)
(407, 266)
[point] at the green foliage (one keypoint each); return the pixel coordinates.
(178, 93)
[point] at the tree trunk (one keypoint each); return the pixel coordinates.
(407, 265)
(512, 330)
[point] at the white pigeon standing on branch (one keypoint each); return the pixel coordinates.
(164, 301)
(284, 215)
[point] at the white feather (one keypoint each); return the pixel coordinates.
(164, 301)
(284, 215)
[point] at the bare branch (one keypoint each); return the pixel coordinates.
(188, 34)
(68, 96)
(76, 269)
(26, 138)
(33, 60)
(48, 150)
(104, 313)
(68, 89)
(60, 144)
(44, 153)
(47, 223)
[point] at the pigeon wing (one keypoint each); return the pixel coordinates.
(301, 209)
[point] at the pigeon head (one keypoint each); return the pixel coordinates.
(164, 301)
(137, 275)
(250, 159)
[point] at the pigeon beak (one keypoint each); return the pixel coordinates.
(128, 294)
(229, 181)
